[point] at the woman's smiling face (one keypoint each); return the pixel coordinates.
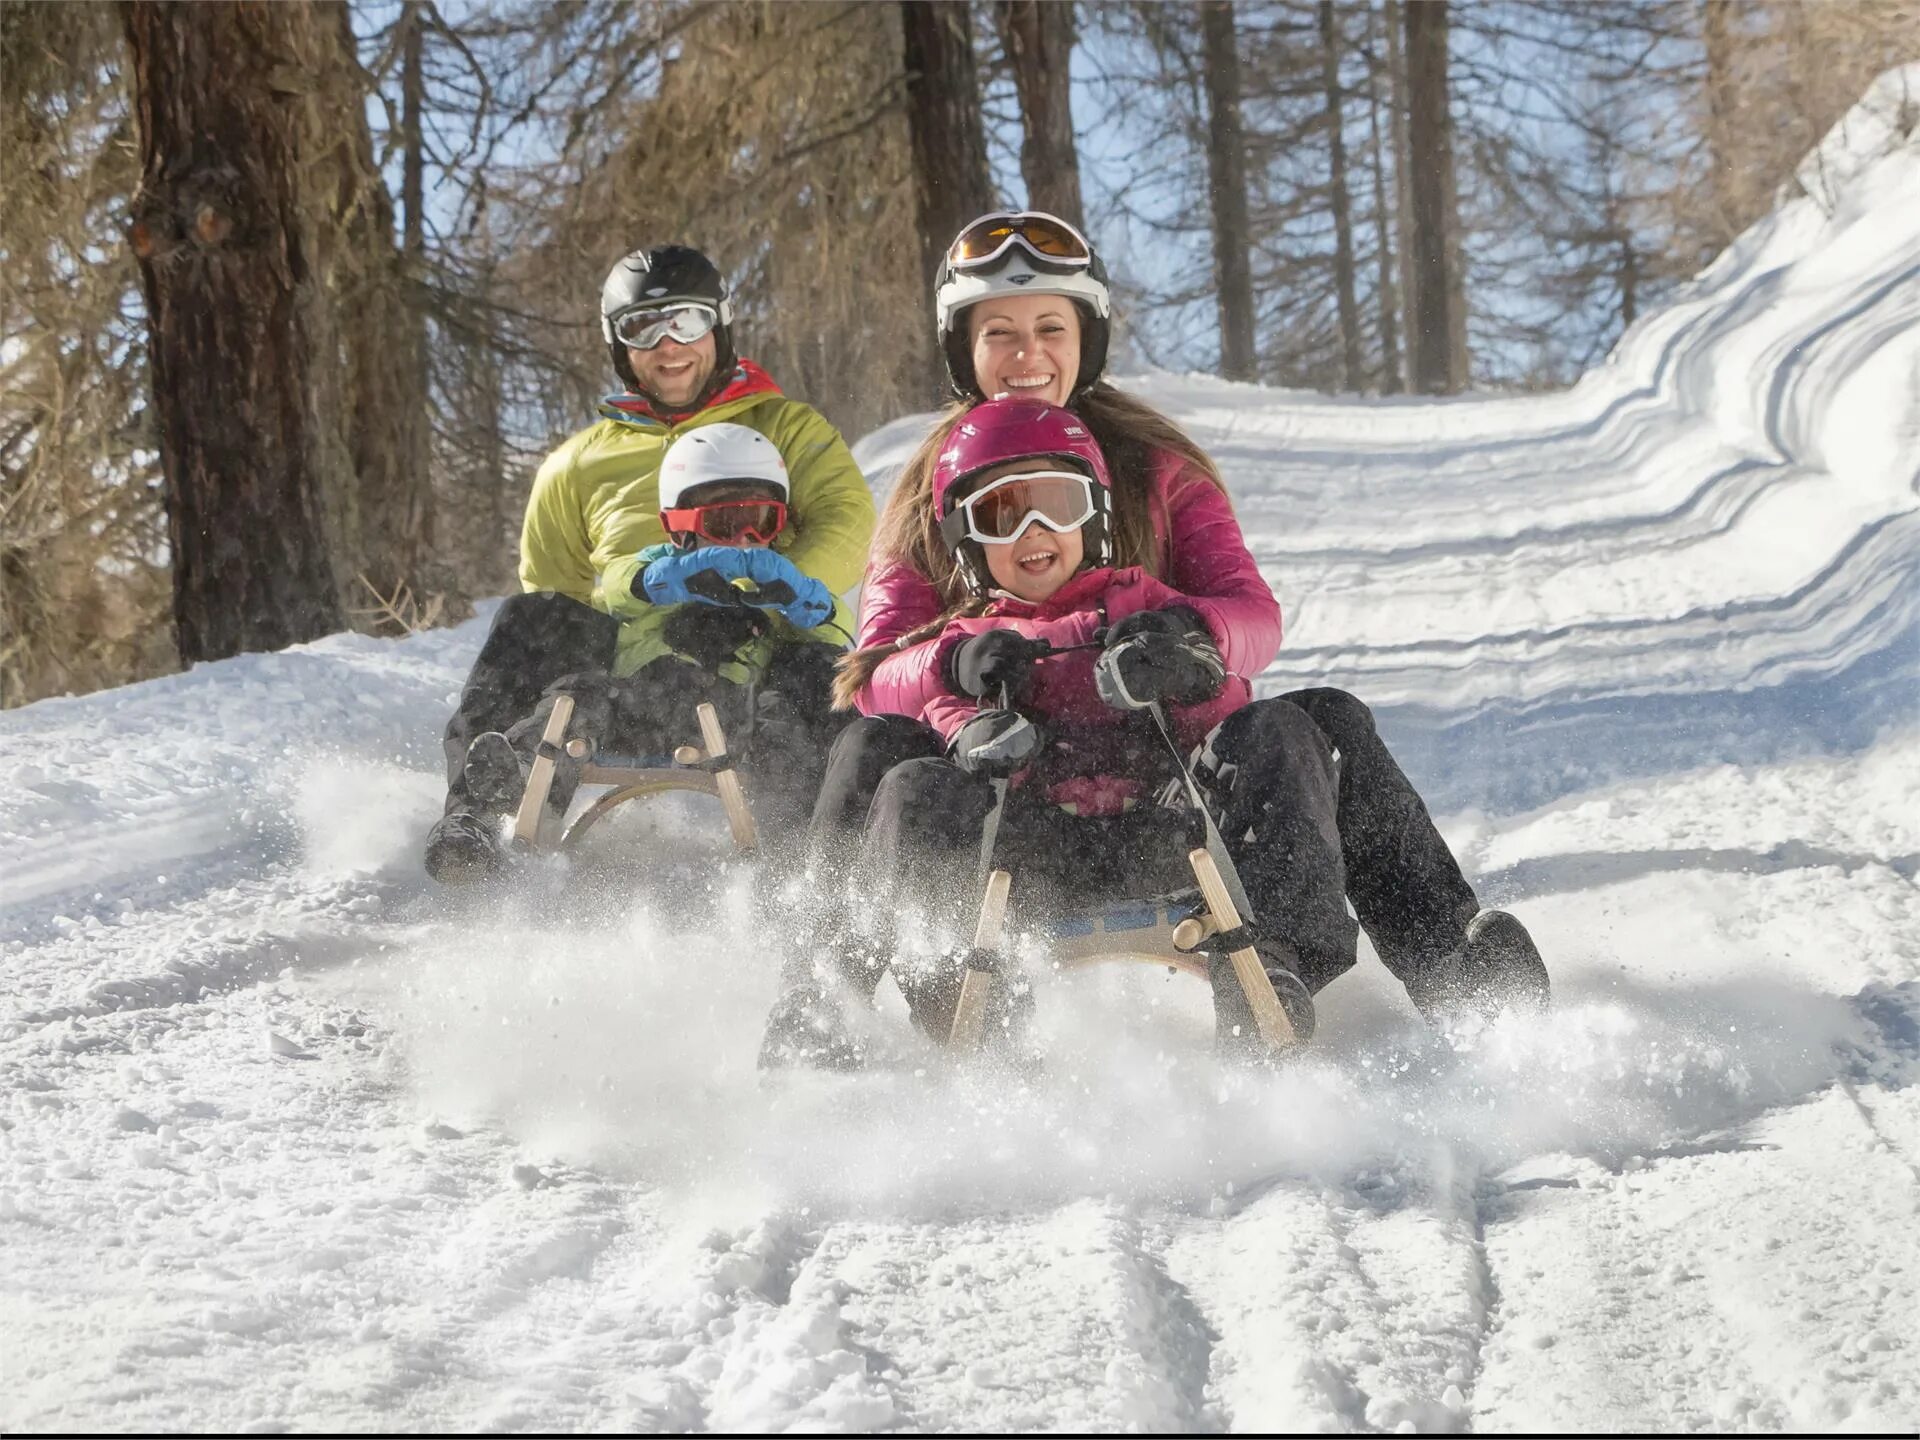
(1026, 345)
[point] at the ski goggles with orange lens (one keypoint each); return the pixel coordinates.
(644, 329)
(1051, 242)
(1061, 500)
(728, 522)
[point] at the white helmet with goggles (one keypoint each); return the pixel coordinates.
(1024, 252)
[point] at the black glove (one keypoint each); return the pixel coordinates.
(997, 743)
(994, 660)
(1159, 655)
(709, 635)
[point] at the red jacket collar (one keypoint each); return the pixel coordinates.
(748, 379)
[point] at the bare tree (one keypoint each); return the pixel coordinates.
(1386, 297)
(1227, 189)
(1337, 195)
(951, 183)
(1395, 25)
(1039, 36)
(84, 586)
(1435, 220)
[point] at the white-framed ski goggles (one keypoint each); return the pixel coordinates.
(685, 321)
(999, 514)
(1050, 241)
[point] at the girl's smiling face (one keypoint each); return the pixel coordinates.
(1038, 561)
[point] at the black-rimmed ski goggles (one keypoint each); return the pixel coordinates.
(1049, 240)
(685, 322)
(1061, 500)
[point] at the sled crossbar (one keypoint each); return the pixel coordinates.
(704, 769)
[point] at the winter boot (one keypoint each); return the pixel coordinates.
(1497, 968)
(1236, 1034)
(809, 1029)
(462, 848)
(496, 776)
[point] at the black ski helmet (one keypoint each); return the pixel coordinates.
(1016, 274)
(648, 278)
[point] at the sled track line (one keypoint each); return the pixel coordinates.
(1181, 1347)
(314, 930)
(1894, 1149)
(1467, 1191)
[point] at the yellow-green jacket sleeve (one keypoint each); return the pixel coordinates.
(554, 552)
(829, 508)
(613, 592)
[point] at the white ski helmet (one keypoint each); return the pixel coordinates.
(1018, 273)
(719, 452)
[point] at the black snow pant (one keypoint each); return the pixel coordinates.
(1403, 882)
(917, 866)
(534, 640)
(546, 645)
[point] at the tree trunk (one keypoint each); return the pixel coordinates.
(1395, 23)
(386, 525)
(1337, 188)
(1227, 190)
(1039, 38)
(1720, 105)
(1434, 340)
(950, 176)
(1382, 224)
(236, 320)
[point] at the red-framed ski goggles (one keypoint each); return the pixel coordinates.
(729, 522)
(685, 321)
(1061, 500)
(1049, 240)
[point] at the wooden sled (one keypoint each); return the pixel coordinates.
(1154, 933)
(704, 769)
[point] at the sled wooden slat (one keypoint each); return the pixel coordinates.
(632, 785)
(1268, 1014)
(533, 804)
(976, 988)
(728, 783)
(1161, 943)
(1195, 965)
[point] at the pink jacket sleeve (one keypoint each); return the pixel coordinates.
(895, 600)
(1211, 567)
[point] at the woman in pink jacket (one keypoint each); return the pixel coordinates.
(1023, 309)
(1055, 643)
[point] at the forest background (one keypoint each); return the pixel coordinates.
(297, 294)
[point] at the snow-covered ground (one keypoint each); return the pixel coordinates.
(288, 1140)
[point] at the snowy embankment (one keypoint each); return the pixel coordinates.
(287, 1140)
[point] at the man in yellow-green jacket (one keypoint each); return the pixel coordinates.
(639, 622)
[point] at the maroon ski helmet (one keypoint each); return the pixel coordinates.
(998, 432)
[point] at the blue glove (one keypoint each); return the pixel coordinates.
(705, 574)
(714, 573)
(779, 584)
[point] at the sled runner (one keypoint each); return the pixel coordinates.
(1185, 936)
(704, 769)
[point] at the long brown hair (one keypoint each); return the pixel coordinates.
(1129, 432)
